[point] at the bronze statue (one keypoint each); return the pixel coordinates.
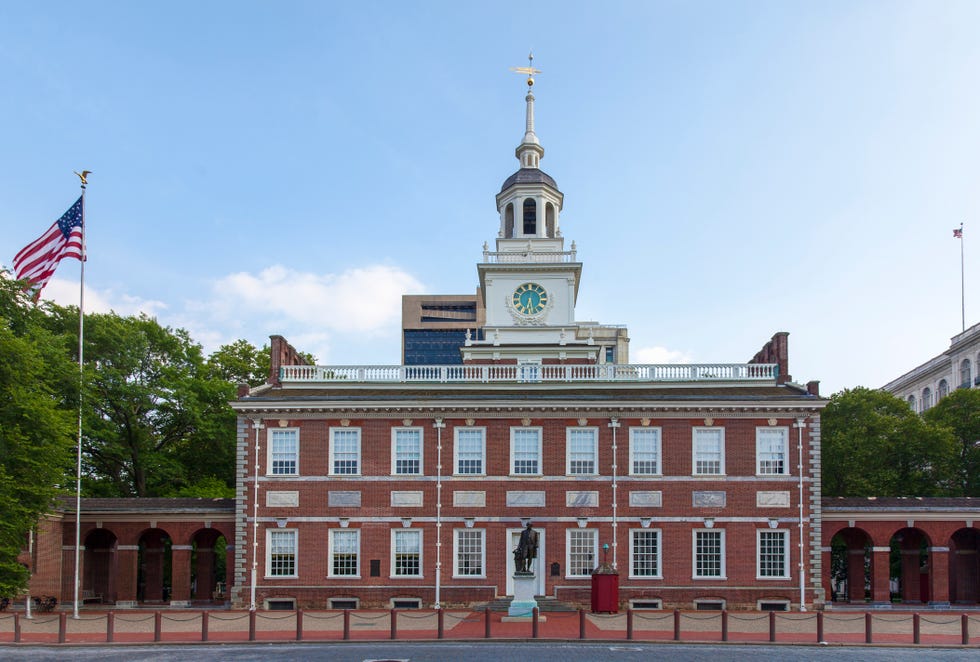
(527, 550)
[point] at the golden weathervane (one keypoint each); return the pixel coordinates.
(529, 69)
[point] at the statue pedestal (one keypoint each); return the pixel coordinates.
(524, 603)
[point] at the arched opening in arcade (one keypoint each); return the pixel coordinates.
(155, 566)
(208, 566)
(910, 570)
(99, 566)
(851, 565)
(964, 566)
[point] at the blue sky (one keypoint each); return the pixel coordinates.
(730, 169)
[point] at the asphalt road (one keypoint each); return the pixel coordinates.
(482, 651)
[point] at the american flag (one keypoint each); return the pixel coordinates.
(957, 233)
(37, 261)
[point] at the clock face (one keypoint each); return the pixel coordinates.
(530, 299)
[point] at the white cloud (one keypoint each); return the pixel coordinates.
(658, 356)
(65, 293)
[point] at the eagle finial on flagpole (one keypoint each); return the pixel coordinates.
(83, 175)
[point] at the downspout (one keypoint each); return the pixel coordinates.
(257, 424)
(438, 425)
(800, 425)
(614, 424)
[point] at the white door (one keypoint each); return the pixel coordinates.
(514, 537)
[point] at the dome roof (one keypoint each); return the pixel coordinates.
(529, 176)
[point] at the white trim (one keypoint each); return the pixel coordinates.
(270, 433)
(659, 450)
(694, 555)
(540, 459)
(568, 551)
(694, 449)
(394, 453)
(483, 450)
(659, 552)
(569, 432)
(331, 536)
(360, 447)
(395, 533)
(269, 533)
(758, 554)
(760, 432)
(483, 553)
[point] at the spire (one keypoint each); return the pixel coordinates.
(529, 152)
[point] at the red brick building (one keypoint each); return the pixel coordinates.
(407, 485)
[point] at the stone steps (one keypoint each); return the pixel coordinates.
(545, 604)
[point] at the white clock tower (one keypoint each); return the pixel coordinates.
(529, 284)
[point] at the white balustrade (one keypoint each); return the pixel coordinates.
(566, 373)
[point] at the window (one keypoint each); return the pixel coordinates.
(582, 552)
(943, 388)
(709, 554)
(280, 604)
(345, 545)
(926, 398)
(405, 603)
(470, 450)
(530, 216)
(468, 550)
(284, 452)
(709, 451)
(773, 554)
(646, 604)
(610, 354)
(525, 451)
(406, 451)
(342, 603)
(582, 448)
(709, 605)
(529, 371)
(965, 373)
(911, 401)
(772, 605)
(771, 451)
(645, 553)
(281, 556)
(645, 451)
(407, 548)
(345, 451)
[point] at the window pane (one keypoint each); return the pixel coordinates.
(771, 446)
(346, 451)
(772, 553)
(408, 451)
(581, 552)
(285, 450)
(469, 451)
(645, 447)
(581, 451)
(345, 550)
(707, 451)
(282, 553)
(527, 449)
(646, 553)
(708, 554)
(408, 552)
(469, 553)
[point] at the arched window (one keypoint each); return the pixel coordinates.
(965, 373)
(549, 220)
(926, 398)
(912, 402)
(509, 221)
(530, 216)
(943, 388)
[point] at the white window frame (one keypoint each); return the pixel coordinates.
(332, 535)
(695, 450)
(397, 533)
(761, 433)
(759, 534)
(514, 432)
(571, 533)
(482, 533)
(594, 451)
(483, 451)
(659, 554)
(658, 450)
(271, 452)
(395, 451)
(275, 533)
(694, 554)
(333, 445)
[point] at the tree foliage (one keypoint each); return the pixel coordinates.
(36, 427)
(959, 413)
(873, 444)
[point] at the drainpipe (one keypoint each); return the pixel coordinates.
(438, 425)
(614, 424)
(257, 424)
(800, 425)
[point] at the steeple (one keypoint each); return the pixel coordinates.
(529, 201)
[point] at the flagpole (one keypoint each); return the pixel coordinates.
(81, 382)
(962, 283)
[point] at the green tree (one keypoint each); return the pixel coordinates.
(873, 444)
(240, 363)
(959, 412)
(36, 428)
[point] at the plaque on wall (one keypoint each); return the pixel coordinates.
(337, 499)
(525, 499)
(709, 499)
